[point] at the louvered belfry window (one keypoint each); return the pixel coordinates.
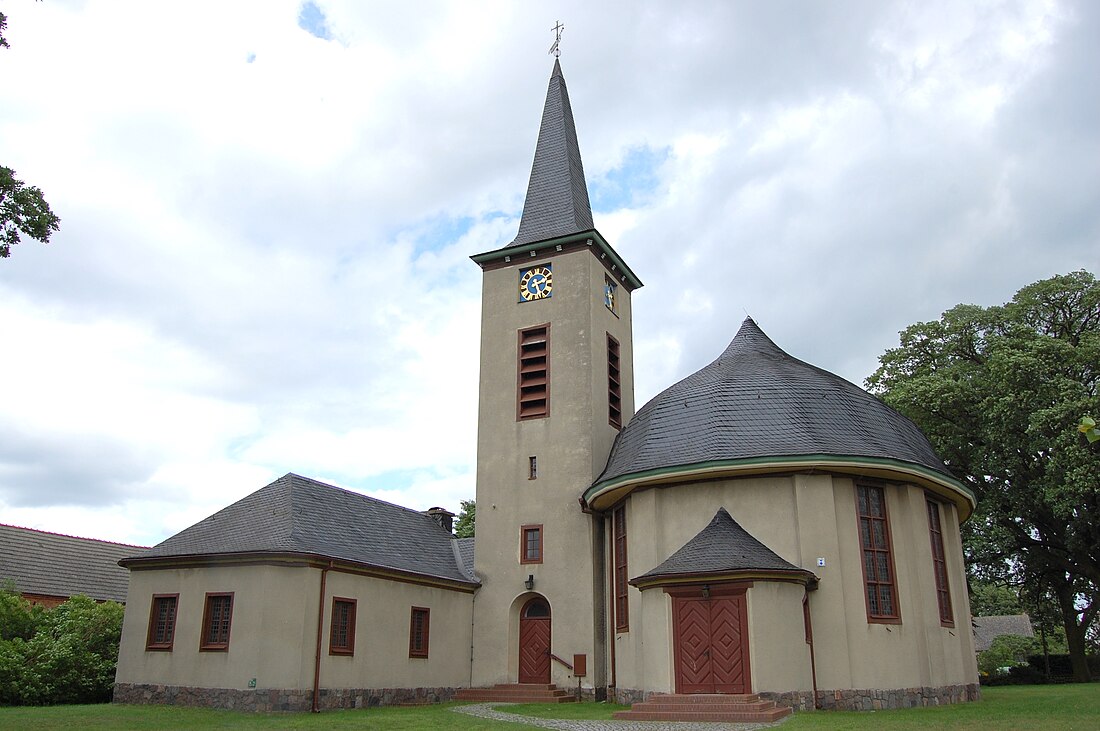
(939, 564)
(878, 559)
(533, 398)
(614, 387)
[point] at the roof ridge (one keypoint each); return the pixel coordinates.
(354, 492)
(69, 535)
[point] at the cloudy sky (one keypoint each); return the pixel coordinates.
(268, 208)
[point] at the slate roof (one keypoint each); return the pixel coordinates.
(295, 514)
(756, 401)
(465, 548)
(557, 196)
(722, 547)
(987, 629)
(52, 564)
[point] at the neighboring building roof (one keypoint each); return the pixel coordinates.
(465, 549)
(987, 629)
(298, 515)
(557, 196)
(51, 564)
(723, 550)
(756, 403)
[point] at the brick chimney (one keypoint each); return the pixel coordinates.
(444, 517)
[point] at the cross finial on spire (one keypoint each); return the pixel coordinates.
(555, 49)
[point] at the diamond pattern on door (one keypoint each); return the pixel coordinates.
(710, 644)
(534, 645)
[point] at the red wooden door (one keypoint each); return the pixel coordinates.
(711, 643)
(534, 642)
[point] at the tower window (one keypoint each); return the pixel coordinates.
(878, 558)
(530, 550)
(610, 295)
(532, 468)
(614, 388)
(939, 564)
(533, 397)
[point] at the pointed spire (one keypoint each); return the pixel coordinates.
(557, 196)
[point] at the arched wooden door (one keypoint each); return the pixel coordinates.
(711, 643)
(534, 641)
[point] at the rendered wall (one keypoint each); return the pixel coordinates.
(274, 632)
(571, 445)
(802, 518)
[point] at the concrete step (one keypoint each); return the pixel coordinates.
(517, 693)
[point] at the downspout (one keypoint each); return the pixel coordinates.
(810, 642)
(320, 628)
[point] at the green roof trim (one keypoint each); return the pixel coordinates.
(798, 459)
(540, 246)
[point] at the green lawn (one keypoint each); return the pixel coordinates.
(1051, 707)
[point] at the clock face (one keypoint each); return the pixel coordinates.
(535, 283)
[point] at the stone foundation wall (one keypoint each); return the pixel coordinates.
(276, 699)
(843, 700)
(875, 699)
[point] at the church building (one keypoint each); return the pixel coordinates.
(762, 533)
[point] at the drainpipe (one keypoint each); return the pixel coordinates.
(810, 642)
(320, 627)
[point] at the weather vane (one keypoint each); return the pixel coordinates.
(555, 49)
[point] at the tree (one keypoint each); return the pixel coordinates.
(23, 208)
(467, 515)
(1000, 392)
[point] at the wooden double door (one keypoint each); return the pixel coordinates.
(711, 640)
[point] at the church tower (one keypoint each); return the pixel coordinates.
(556, 386)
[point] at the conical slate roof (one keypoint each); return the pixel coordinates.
(298, 515)
(557, 197)
(722, 548)
(756, 402)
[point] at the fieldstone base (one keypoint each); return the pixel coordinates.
(876, 699)
(844, 700)
(268, 699)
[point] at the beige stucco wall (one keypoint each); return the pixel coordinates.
(274, 631)
(571, 445)
(803, 517)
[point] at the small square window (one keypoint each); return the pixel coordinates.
(530, 550)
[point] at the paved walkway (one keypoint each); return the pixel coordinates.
(485, 710)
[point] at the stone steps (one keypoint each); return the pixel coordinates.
(517, 693)
(743, 708)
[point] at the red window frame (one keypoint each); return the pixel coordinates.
(162, 625)
(619, 574)
(217, 621)
(939, 564)
(419, 626)
(530, 544)
(341, 637)
(880, 590)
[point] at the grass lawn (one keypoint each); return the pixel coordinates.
(1046, 708)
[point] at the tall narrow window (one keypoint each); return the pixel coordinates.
(162, 622)
(533, 397)
(532, 468)
(939, 564)
(878, 559)
(610, 294)
(342, 632)
(216, 621)
(618, 537)
(418, 632)
(530, 550)
(614, 388)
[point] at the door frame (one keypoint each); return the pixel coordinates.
(696, 592)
